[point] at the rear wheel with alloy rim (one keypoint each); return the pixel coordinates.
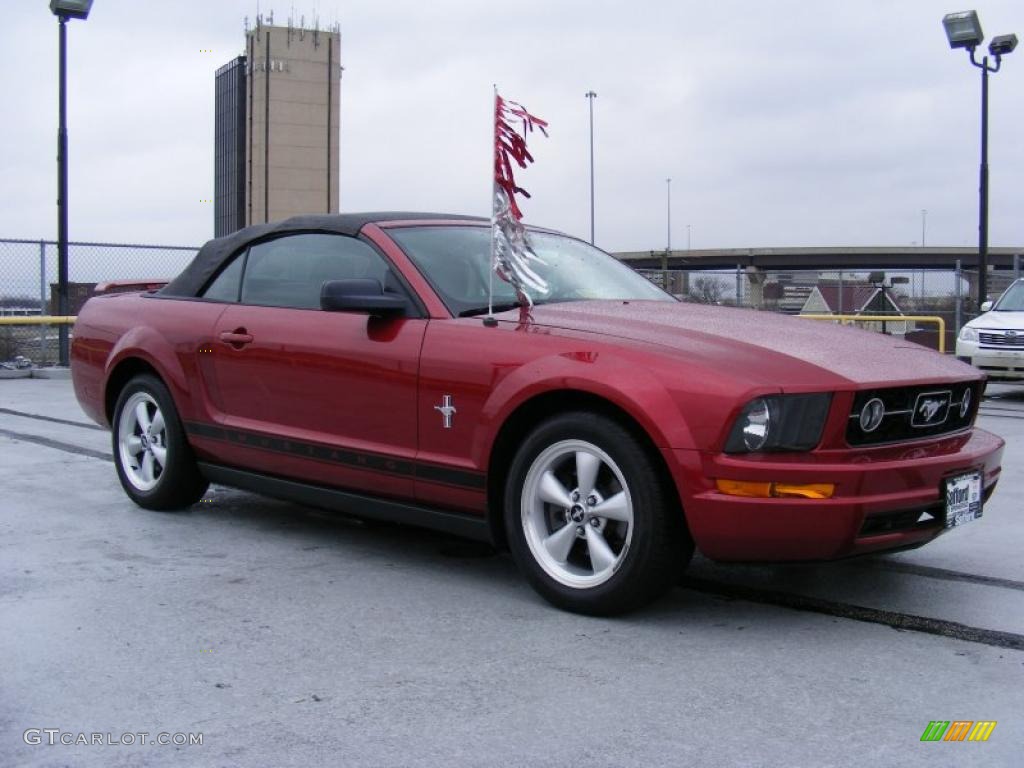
(590, 520)
(154, 461)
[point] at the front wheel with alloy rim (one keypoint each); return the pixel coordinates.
(590, 520)
(153, 458)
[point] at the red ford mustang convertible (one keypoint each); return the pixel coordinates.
(349, 362)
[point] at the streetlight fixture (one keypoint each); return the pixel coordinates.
(1002, 45)
(71, 9)
(590, 97)
(963, 30)
(64, 10)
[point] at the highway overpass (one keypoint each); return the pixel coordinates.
(875, 257)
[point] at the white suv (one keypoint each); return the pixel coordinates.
(994, 341)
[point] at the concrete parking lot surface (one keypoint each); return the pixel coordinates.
(287, 636)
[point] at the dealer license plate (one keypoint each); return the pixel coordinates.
(963, 499)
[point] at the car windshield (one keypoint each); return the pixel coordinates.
(1012, 300)
(456, 259)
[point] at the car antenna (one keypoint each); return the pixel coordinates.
(490, 321)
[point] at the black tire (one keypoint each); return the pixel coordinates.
(175, 484)
(650, 556)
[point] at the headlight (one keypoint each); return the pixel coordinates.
(779, 423)
(968, 334)
(754, 426)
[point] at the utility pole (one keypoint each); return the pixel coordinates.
(62, 193)
(668, 239)
(590, 97)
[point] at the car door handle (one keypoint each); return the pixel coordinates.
(237, 338)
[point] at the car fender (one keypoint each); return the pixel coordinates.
(145, 343)
(632, 388)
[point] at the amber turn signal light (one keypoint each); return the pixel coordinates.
(776, 490)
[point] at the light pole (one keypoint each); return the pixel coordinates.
(687, 237)
(668, 215)
(64, 10)
(668, 239)
(963, 30)
(924, 220)
(590, 97)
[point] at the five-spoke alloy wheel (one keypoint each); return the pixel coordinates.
(154, 461)
(577, 513)
(142, 441)
(590, 520)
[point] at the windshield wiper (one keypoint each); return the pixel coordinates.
(472, 311)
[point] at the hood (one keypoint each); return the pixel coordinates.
(999, 320)
(762, 347)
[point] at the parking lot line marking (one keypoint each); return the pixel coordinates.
(905, 621)
(930, 572)
(1007, 409)
(988, 415)
(60, 446)
(40, 417)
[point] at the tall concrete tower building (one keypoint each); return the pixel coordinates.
(229, 148)
(290, 94)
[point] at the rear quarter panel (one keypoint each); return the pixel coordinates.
(166, 334)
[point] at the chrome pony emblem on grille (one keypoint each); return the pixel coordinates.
(1011, 336)
(447, 410)
(931, 409)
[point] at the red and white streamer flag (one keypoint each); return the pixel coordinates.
(511, 251)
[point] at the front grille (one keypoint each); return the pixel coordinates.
(915, 412)
(1011, 339)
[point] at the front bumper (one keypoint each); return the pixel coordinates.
(879, 495)
(999, 364)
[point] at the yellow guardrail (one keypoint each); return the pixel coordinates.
(38, 319)
(850, 319)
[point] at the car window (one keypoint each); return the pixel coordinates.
(457, 262)
(1013, 299)
(290, 271)
(226, 285)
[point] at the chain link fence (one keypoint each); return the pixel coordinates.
(28, 285)
(948, 294)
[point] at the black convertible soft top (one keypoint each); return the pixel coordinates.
(212, 256)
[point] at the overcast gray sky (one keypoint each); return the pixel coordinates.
(822, 122)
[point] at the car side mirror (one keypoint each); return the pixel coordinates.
(360, 295)
(986, 306)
